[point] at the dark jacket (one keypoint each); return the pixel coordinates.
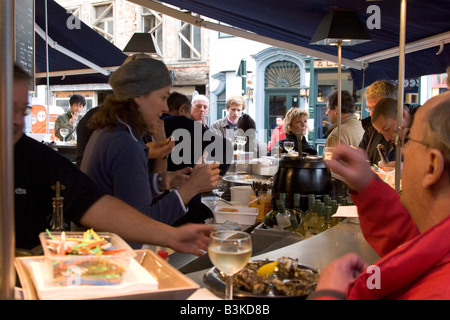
(306, 147)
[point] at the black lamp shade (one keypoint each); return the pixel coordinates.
(340, 25)
(140, 43)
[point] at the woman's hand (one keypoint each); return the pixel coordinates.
(176, 178)
(202, 179)
(157, 130)
(160, 149)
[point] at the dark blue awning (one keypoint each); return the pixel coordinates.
(295, 21)
(83, 41)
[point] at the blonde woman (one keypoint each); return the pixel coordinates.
(295, 127)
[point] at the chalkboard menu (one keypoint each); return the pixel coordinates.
(24, 34)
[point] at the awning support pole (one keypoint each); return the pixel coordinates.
(7, 239)
(401, 77)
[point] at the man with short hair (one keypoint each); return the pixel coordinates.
(351, 129)
(199, 109)
(71, 117)
(235, 106)
(375, 92)
(410, 231)
(384, 118)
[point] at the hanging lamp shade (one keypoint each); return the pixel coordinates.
(340, 25)
(140, 42)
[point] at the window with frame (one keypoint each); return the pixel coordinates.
(282, 74)
(152, 22)
(104, 20)
(190, 41)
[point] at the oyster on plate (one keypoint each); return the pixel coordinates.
(288, 279)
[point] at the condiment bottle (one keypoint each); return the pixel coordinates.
(58, 214)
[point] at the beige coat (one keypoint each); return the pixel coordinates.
(351, 132)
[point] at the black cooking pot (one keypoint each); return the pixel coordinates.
(303, 175)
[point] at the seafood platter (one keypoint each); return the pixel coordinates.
(284, 277)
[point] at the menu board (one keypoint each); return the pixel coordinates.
(24, 34)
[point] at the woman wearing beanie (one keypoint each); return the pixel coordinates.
(116, 156)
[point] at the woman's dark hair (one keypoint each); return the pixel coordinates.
(246, 126)
(246, 122)
(112, 110)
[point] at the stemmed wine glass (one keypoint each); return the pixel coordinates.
(288, 146)
(64, 132)
(240, 141)
(229, 251)
(327, 153)
(218, 191)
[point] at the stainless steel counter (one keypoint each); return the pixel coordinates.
(318, 251)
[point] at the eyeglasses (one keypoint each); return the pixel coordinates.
(402, 137)
(24, 110)
(369, 109)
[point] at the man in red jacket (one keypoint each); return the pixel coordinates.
(411, 232)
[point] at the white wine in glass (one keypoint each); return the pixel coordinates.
(229, 251)
(288, 146)
(327, 153)
(64, 132)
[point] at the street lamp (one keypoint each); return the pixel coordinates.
(141, 42)
(304, 92)
(340, 28)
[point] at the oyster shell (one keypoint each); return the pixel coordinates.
(289, 279)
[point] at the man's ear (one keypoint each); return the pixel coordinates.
(435, 167)
(181, 110)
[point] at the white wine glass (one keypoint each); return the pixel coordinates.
(327, 153)
(218, 191)
(288, 146)
(64, 132)
(229, 251)
(241, 141)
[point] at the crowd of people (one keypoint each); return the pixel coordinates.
(143, 166)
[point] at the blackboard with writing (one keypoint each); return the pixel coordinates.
(24, 34)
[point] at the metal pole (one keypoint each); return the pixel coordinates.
(401, 77)
(47, 67)
(7, 240)
(339, 45)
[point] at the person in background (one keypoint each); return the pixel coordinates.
(179, 117)
(277, 133)
(235, 106)
(116, 157)
(37, 168)
(295, 128)
(384, 120)
(178, 123)
(413, 246)
(246, 126)
(71, 117)
(351, 129)
(375, 92)
(199, 109)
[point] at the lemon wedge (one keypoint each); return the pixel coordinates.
(267, 269)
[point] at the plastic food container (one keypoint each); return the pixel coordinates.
(106, 268)
(241, 215)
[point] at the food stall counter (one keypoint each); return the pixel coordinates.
(319, 250)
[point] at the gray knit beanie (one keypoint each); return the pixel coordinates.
(138, 77)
